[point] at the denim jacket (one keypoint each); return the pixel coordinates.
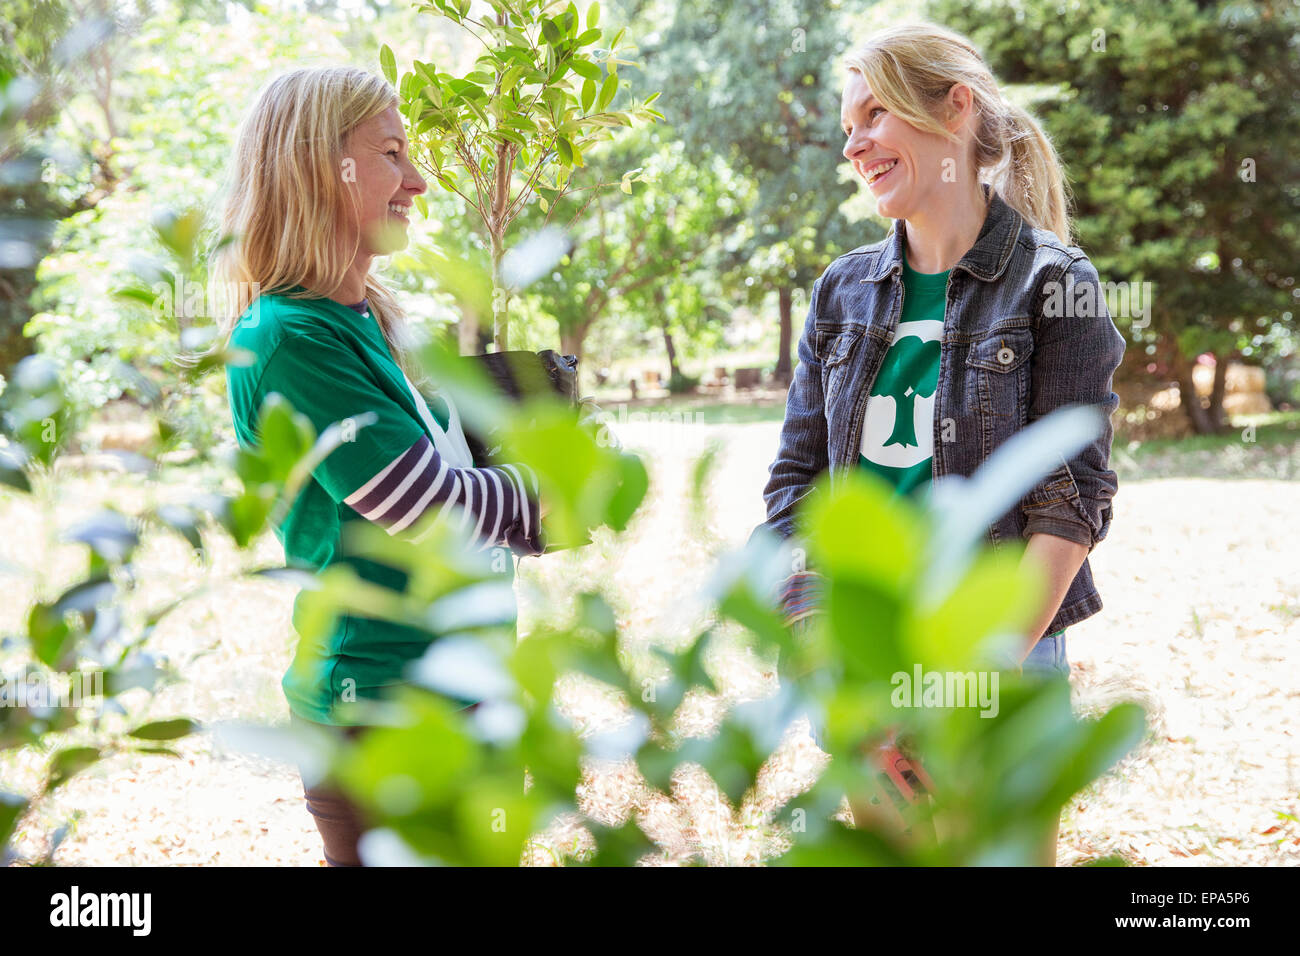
(1022, 335)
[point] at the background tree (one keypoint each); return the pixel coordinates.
(102, 342)
(1178, 123)
(50, 51)
(758, 85)
(689, 309)
(639, 249)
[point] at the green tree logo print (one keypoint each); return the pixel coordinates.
(911, 368)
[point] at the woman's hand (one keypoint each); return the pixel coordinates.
(800, 601)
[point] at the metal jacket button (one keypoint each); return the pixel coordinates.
(1006, 356)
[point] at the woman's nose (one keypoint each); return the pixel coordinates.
(413, 180)
(856, 146)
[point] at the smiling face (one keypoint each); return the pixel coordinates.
(382, 181)
(903, 166)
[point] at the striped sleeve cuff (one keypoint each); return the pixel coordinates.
(525, 535)
(801, 596)
(494, 506)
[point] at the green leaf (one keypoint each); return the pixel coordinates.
(330, 439)
(585, 69)
(247, 516)
(67, 763)
(593, 15)
(494, 817)
(85, 596)
(833, 518)
(634, 482)
(12, 806)
(551, 33)
(284, 436)
(511, 77)
(578, 477)
(535, 663)
(556, 100)
(49, 634)
(995, 596)
(179, 232)
(565, 149)
(1105, 742)
(165, 729)
(11, 469)
(427, 71)
(163, 751)
(588, 95)
(865, 621)
(388, 63)
(137, 295)
(429, 753)
(477, 110)
(520, 41)
(107, 532)
(607, 91)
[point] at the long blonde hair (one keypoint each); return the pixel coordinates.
(285, 192)
(910, 68)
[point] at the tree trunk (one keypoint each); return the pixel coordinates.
(1219, 420)
(673, 370)
(500, 299)
(467, 333)
(1187, 397)
(783, 369)
(14, 314)
(661, 305)
(571, 341)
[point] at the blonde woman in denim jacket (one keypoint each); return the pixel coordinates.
(974, 317)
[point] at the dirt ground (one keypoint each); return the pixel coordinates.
(1202, 606)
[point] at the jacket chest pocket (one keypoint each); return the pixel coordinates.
(835, 349)
(834, 346)
(999, 366)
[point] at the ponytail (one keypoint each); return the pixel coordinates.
(1027, 171)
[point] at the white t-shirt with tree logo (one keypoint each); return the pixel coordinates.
(898, 426)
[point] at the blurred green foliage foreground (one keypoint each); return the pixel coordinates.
(449, 784)
(905, 589)
(908, 592)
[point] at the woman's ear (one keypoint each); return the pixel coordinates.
(960, 104)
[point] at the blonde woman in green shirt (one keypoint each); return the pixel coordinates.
(321, 184)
